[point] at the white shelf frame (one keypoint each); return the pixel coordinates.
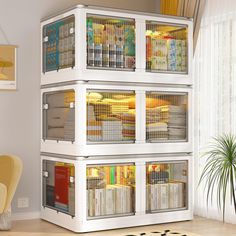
(80, 71)
(80, 223)
(80, 147)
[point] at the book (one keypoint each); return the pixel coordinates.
(91, 202)
(110, 201)
(102, 201)
(118, 174)
(153, 197)
(148, 190)
(172, 195)
(97, 200)
(181, 202)
(72, 200)
(164, 195)
(62, 175)
(50, 197)
(128, 199)
(112, 174)
(88, 202)
(176, 197)
(118, 199)
(107, 174)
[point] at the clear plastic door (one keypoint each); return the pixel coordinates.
(166, 186)
(110, 116)
(166, 117)
(166, 47)
(59, 44)
(110, 43)
(110, 190)
(59, 186)
(59, 115)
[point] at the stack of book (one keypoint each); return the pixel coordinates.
(176, 55)
(112, 200)
(175, 118)
(166, 122)
(110, 44)
(165, 196)
(102, 110)
(157, 130)
(166, 53)
(90, 113)
(112, 130)
(128, 123)
(159, 54)
(60, 123)
(94, 130)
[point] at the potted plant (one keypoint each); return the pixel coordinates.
(219, 172)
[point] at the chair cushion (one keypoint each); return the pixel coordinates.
(3, 197)
(10, 172)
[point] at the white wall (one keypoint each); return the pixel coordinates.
(19, 110)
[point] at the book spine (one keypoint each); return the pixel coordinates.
(180, 195)
(72, 200)
(148, 197)
(118, 175)
(97, 202)
(118, 200)
(112, 175)
(164, 196)
(153, 205)
(91, 202)
(171, 195)
(107, 172)
(109, 202)
(88, 203)
(102, 201)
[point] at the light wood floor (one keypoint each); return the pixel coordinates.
(200, 226)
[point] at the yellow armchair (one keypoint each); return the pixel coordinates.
(10, 172)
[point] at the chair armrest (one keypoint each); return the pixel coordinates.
(3, 197)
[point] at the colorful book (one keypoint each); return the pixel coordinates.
(112, 175)
(62, 175)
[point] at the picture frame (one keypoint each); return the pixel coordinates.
(8, 67)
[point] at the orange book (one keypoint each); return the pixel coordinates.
(94, 132)
(107, 172)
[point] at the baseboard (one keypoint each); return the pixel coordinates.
(25, 215)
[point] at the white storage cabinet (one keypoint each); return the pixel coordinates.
(140, 190)
(95, 119)
(115, 45)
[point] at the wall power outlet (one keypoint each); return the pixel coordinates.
(23, 202)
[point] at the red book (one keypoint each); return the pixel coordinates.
(62, 175)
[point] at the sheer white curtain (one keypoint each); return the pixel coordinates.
(215, 89)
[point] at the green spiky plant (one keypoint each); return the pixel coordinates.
(219, 172)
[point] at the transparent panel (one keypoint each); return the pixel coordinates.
(59, 115)
(59, 44)
(166, 47)
(166, 117)
(166, 186)
(110, 43)
(110, 116)
(59, 186)
(110, 190)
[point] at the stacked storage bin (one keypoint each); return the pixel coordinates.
(116, 140)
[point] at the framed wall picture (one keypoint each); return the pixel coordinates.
(8, 67)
